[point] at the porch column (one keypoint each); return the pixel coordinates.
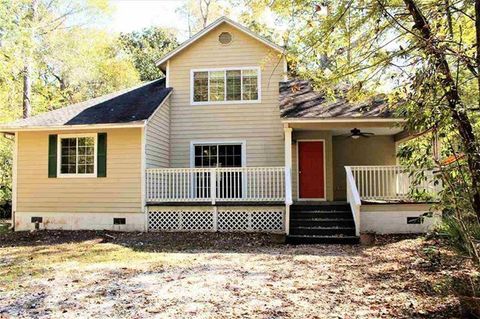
(288, 147)
(288, 176)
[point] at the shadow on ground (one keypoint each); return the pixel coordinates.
(167, 241)
(90, 273)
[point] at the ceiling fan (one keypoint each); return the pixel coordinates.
(356, 133)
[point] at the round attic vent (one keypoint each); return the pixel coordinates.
(225, 38)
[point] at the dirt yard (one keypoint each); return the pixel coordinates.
(120, 275)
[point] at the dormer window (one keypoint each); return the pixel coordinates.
(226, 86)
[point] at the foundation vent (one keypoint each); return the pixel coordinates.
(119, 221)
(415, 220)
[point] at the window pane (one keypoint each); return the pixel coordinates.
(198, 150)
(68, 169)
(234, 83)
(90, 169)
(200, 86)
(250, 85)
(77, 155)
(86, 149)
(207, 156)
(227, 158)
(237, 150)
(217, 86)
(68, 158)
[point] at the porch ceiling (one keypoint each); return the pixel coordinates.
(374, 130)
(344, 127)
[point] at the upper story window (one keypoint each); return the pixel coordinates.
(223, 86)
(77, 155)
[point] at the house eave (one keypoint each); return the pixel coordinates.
(343, 120)
(10, 130)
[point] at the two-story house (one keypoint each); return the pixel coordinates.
(223, 143)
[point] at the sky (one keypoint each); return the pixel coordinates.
(130, 15)
(133, 15)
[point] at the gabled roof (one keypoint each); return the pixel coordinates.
(299, 100)
(212, 26)
(126, 107)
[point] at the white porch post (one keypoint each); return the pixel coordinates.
(288, 176)
(213, 185)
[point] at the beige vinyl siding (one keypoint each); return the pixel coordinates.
(375, 150)
(119, 192)
(157, 146)
(313, 135)
(256, 123)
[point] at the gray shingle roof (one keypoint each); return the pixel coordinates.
(122, 107)
(299, 100)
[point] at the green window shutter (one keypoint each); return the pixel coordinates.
(52, 156)
(102, 155)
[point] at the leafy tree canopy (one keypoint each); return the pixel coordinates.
(426, 56)
(146, 47)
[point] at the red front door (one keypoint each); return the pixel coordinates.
(311, 171)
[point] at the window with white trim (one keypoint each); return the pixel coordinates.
(226, 85)
(218, 155)
(77, 155)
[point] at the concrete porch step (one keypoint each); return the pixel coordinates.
(324, 207)
(322, 222)
(323, 231)
(321, 214)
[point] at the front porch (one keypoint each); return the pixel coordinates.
(224, 199)
(360, 169)
(322, 165)
(259, 199)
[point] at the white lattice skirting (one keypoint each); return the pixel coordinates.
(222, 219)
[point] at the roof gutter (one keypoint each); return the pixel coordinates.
(344, 120)
(10, 130)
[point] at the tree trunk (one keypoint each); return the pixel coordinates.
(27, 71)
(204, 13)
(27, 88)
(477, 28)
(459, 116)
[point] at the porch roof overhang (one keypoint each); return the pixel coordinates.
(340, 126)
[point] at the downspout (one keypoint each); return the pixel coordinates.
(14, 179)
(143, 172)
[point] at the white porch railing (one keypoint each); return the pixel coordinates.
(215, 184)
(353, 198)
(390, 182)
(383, 183)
